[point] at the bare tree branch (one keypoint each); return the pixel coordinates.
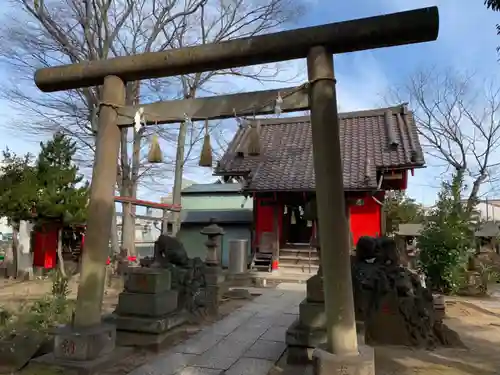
(458, 120)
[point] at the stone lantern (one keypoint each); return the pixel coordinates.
(213, 232)
(214, 278)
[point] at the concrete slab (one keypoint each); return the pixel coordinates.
(199, 344)
(208, 360)
(169, 364)
(284, 320)
(248, 341)
(232, 347)
(264, 349)
(199, 371)
(275, 334)
(250, 366)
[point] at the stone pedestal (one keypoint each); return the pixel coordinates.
(309, 330)
(147, 309)
(239, 279)
(439, 307)
(362, 363)
(84, 350)
(475, 285)
(84, 344)
(215, 288)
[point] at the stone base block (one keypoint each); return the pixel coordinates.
(299, 355)
(152, 325)
(45, 363)
(83, 344)
(148, 280)
(148, 341)
(143, 304)
(325, 363)
(299, 335)
(312, 314)
(16, 352)
(239, 279)
(315, 291)
(237, 293)
(213, 295)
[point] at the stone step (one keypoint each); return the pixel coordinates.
(299, 258)
(298, 252)
(304, 268)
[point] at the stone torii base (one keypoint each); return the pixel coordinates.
(84, 351)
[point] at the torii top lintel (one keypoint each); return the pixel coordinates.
(414, 26)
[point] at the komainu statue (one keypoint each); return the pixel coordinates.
(188, 274)
(391, 300)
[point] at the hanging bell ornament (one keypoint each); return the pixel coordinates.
(206, 149)
(155, 155)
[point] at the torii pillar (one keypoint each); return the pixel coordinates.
(318, 44)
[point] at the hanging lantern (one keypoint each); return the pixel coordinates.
(206, 149)
(254, 139)
(155, 155)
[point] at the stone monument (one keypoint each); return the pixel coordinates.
(147, 308)
(160, 295)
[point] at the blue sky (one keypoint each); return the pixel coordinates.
(467, 40)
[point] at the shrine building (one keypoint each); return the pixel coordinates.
(380, 147)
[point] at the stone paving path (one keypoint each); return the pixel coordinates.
(247, 342)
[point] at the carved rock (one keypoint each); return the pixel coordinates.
(390, 299)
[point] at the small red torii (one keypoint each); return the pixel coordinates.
(139, 202)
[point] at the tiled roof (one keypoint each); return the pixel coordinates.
(212, 188)
(371, 140)
(242, 216)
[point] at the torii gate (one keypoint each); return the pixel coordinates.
(317, 44)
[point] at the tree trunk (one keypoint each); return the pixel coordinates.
(128, 222)
(11, 258)
(134, 182)
(179, 168)
(472, 200)
(60, 258)
(130, 173)
(115, 242)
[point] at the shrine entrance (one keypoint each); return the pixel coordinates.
(317, 44)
